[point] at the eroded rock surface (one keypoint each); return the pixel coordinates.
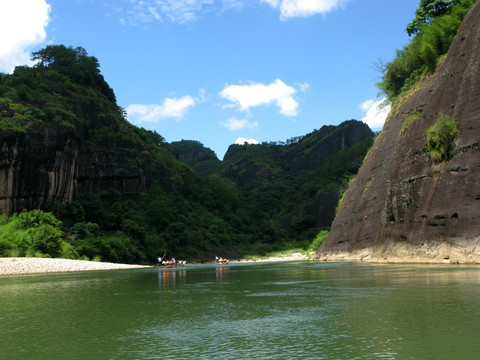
(401, 206)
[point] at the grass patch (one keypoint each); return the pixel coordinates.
(441, 139)
(414, 116)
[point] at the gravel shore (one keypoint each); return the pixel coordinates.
(25, 265)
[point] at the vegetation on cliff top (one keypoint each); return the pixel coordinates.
(434, 28)
(49, 92)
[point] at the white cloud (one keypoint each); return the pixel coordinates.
(171, 108)
(238, 124)
(376, 112)
(242, 140)
(254, 94)
(22, 26)
(303, 8)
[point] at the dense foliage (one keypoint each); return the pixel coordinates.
(54, 90)
(435, 26)
(426, 11)
(284, 198)
(33, 233)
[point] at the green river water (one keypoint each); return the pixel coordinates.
(293, 310)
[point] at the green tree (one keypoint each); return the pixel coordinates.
(74, 63)
(427, 10)
(434, 27)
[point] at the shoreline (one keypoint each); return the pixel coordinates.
(34, 265)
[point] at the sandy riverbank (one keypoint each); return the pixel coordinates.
(290, 257)
(31, 265)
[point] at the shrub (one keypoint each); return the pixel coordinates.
(319, 239)
(82, 230)
(114, 247)
(441, 139)
(68, 251)
(33, 233)
(45, 239)
(36, 218)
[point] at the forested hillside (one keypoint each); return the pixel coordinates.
(79, 181)
(292, 188)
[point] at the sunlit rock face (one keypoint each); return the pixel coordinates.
(404, 207)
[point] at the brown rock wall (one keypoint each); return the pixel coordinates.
(53, 165)
(401, 203)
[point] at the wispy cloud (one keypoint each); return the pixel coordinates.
(303, 8)
(177, 11)
(253, 94)
(141, 12)
(242, 140)
(238, 124)
(170, 108)
(376, 112)
(22, 27)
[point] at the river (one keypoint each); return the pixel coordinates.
(291, 310)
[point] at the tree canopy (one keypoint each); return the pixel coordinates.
(427, 10)
(74, 63)
(434, 26)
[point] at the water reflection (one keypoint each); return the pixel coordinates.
(167, 279)
(221, 273)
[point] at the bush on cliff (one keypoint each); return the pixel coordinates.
(441, 139)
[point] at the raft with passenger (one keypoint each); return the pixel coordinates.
(221, 261)
(170, 263)
(173, 264)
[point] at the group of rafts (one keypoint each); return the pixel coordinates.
(181, 263)
(171, 263)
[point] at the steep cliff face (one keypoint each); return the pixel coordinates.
(404, 207)
(55, 163)
(34, 170)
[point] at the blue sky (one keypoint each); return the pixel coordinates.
(221, 71)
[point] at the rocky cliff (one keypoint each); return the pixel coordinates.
(404, 207)
(48, 162)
